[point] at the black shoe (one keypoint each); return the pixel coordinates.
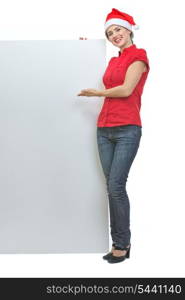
(108, 255)
(116, 259)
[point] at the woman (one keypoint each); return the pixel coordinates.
(119, 127)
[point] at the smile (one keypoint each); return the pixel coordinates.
(117, 40)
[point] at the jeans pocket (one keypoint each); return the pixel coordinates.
(131, 131)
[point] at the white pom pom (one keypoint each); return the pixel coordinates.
(136, 27)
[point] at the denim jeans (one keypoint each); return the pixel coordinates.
(117, 147)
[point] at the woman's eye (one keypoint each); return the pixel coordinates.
(116, 30)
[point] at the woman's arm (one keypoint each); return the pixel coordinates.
(132, 78)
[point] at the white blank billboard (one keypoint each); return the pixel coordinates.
(52, 189)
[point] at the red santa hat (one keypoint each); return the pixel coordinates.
(116, 17)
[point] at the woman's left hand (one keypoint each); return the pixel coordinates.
(90, 93)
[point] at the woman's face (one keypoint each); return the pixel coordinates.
(118, 35)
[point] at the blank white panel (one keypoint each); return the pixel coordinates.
(52, 188)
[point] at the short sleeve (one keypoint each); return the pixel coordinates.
(140, 54)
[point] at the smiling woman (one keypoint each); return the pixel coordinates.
(117, 29)
(119, 127)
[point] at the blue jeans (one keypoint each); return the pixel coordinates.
(117, 148)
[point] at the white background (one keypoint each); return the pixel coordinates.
(156, 180)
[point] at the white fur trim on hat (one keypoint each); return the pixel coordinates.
(120, 22)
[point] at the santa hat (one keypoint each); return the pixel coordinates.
(116, 17)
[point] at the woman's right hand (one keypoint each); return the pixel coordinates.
(81, 38)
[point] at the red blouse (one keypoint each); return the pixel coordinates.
(123, 110)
